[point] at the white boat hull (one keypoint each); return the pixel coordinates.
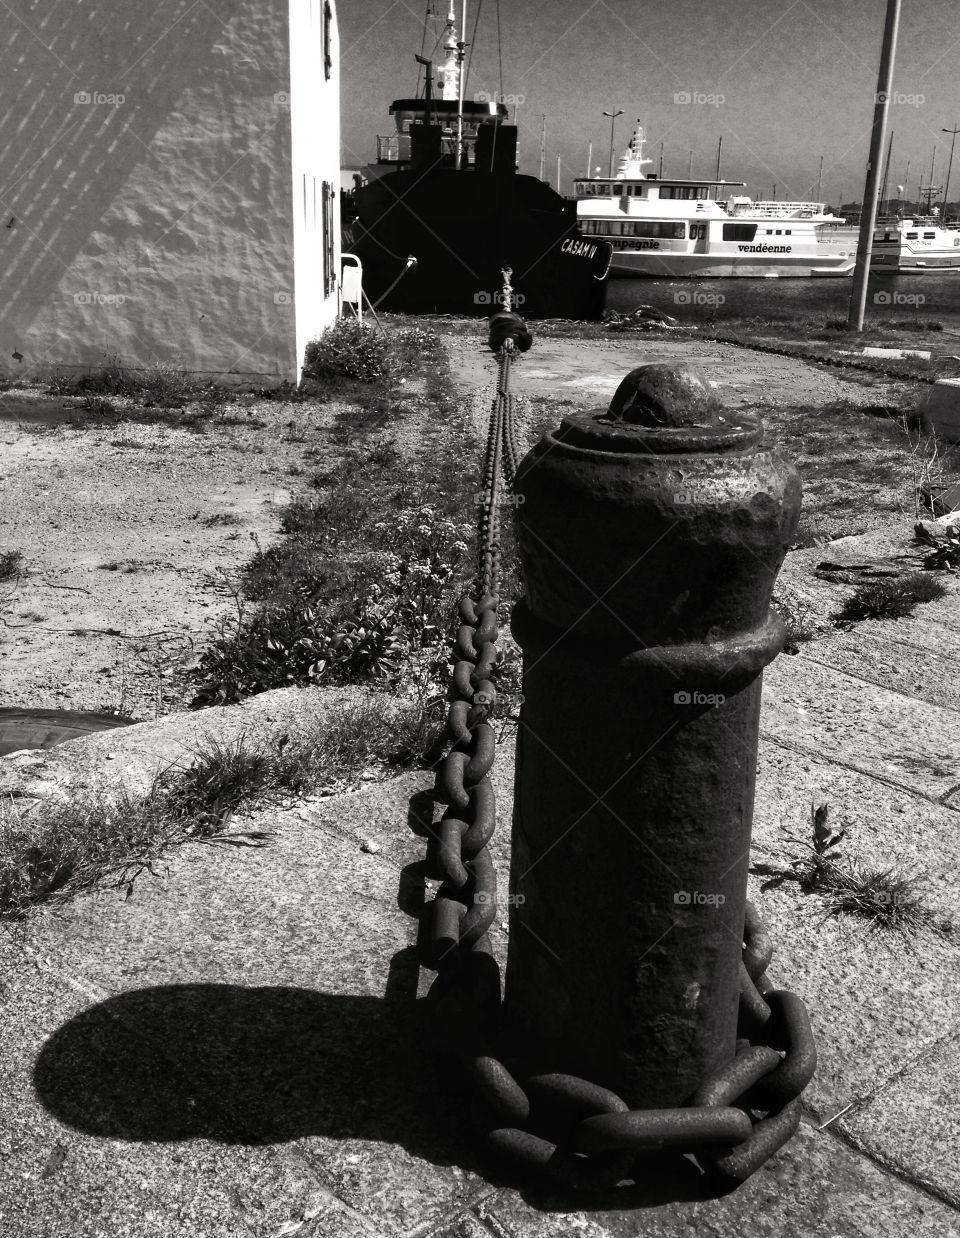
(665, 265)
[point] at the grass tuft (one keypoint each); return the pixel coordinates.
(891, 597)
(62, 848)
(11, 564)
(889, 897)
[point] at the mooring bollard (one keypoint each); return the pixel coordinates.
(650, 537)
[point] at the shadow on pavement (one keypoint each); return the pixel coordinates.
(254, 1066)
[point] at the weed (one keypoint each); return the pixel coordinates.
(222, 518)
(67, 846)
(887, 897)
(891, 597)
(362, 585)
(800, 620)
(11, 564)
(944, 546)
(347, 350)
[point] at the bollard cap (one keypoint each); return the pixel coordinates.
(659, 396)
(663, 409)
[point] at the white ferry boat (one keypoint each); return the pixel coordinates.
(685, 229)
(915, 245)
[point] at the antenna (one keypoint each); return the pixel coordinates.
(543, 141)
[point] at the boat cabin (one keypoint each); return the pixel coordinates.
(413, 117)
(650, 188)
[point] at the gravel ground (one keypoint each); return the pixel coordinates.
(131, 533)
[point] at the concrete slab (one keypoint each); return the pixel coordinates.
(882, 652)
(280, 981)
(822, 711)
(60, 1183)
(876, 998)
(913, 1124)
(815, 1186)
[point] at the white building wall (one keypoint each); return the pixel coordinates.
(146, 185)
(315, 128)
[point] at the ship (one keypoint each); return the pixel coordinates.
(916, 245)
(694, 229)
(444, 210)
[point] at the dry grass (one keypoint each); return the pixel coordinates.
(59, 848)
(11, 564)
(888, 898)
(857, 463)
(891, 597)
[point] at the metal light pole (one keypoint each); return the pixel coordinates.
(820, 178)
(946, 188)
(868, 216)
(613, 120)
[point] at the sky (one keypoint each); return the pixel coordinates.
(782, 84)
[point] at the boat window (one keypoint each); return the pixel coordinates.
(698, 232)
(929, 236)
(739, 232)
(779, 232)
(617, 191)
(912, 236)
(673, 231)
(769, 231)
(788, 232)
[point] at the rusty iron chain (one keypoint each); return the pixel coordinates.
(572, 1131)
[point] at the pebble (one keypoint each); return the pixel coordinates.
(369, 846)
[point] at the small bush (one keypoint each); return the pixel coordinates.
(347, 350)
(11, 564)
(891, 597)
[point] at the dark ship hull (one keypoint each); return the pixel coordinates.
(463, 227)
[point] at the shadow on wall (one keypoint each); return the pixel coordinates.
(111, 237)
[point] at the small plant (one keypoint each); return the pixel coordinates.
(800, 620)
(944, 547)
(72, 845)
(222, 518)
(891, 597)
(817, 856)
(886, 897)
(347, 350)
(11, 564)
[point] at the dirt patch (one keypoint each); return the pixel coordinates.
(130, 535)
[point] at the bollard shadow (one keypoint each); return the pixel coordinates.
(255, 1066)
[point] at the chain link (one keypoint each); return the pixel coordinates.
(573, 1131)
